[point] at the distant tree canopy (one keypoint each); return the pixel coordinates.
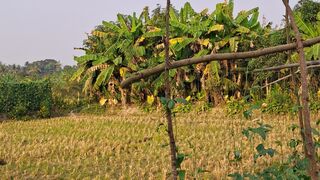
(309, 10)
(43, 67)
(35, 69)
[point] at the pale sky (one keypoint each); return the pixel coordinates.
(33, 30)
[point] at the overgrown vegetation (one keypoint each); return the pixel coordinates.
(258, 138)
(19, 99)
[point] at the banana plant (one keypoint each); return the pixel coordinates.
(114, 50)
(309, 31)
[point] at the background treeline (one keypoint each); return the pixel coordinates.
(115, 50)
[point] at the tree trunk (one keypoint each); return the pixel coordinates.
(125, 96)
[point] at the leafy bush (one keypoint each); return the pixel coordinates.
(22, 99)
(278, 101)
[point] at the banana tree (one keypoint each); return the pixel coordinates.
(231, 34)
(311, 53)
(309, 31)
(112, 50)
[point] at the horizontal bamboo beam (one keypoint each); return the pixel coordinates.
(215, 57)
(275, 68)
(286, 77)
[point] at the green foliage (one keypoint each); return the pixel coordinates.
(309, 10)
(295, 167)
(262, 131)
(67, 95)
(22, 99)
(235, 106)
(133, 43)
(278, 101)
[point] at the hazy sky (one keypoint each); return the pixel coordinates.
(33, 30)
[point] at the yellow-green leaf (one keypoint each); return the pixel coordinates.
(216, 27)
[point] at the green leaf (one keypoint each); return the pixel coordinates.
(182, 174)
(316, 51)
(117, 61)
(216, 27)
(260, 148)
(173, 16)
(104, 76)
(100, 60)
(293, 143)
(139, 51)
(180, 159)
(78, 73)
(307, 29)
(171, 104)
(233, 44)
(242, 30)
(271, 152)
(246, 133)
(85, 58)
(247, 114)
(122, 22)
(163, 101)
(179, 46)
(237, 155)
(243, 15)
(153, 34)
(181, 100)
(172, 72)
(111, 26)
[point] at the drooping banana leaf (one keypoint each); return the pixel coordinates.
(104, 76)
(316, 51)
(243, 15)
(85, 58)
(179, 46)
(111, 26)
(152, 34)
(78, 73)
(306, 28)
(173, 15)
(100, 60)
(123, 23)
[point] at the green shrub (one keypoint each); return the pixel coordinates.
(278, 101)
(21, 99)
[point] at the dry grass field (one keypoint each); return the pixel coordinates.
(133, 145)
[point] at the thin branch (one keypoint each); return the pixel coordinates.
(215, 57)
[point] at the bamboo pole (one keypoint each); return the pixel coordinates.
(309, 145)
(173, 148)
(275, 68)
